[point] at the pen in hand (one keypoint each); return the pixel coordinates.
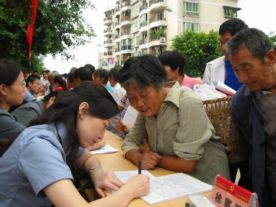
(139, 167)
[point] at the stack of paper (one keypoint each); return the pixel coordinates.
(168, 187)
(104, 150)
(174, 186)
(207, 92)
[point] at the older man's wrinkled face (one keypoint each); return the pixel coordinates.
(253, 72)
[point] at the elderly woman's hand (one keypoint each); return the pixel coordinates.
(150, 160)
(144, 147)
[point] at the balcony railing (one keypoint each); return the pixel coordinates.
(107, 30)
(126, 47)
(157, 19)
(125, 4)
(125, 33)
(108, 53)
(142, 41)
(117, 8)
(107, 41)
(125, 18)
(143, 24)
(107, 18)
(133, 1)
(155, 1)
(157, 34)
(143, 6)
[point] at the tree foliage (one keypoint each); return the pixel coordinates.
(59, 26)
(198, 48)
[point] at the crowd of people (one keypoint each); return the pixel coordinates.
(49, 123)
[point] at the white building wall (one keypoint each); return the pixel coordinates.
(211, 15)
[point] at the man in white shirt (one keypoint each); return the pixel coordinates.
(220, 69)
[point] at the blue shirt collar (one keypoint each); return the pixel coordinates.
(62, 135)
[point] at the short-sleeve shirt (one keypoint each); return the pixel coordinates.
(10, 128)
(181, 129)
(35, 160)
(25, 113)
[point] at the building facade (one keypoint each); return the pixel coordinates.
(136, 27)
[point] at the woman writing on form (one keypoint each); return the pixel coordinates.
(34, 170)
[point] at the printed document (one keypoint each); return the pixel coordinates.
(173, 186)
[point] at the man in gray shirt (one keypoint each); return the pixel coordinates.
(25, 113)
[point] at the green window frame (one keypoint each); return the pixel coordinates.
(191, 8)
(191, 26)
(230, 12)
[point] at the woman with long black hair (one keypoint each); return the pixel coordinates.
(34, 171)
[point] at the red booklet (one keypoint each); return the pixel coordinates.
(227, 194)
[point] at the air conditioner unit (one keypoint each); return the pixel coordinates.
(162, 39)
